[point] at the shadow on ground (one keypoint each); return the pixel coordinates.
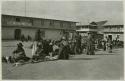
(106, 54)
(83, 59)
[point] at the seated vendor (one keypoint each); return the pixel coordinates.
(38, 55)
(19, 53)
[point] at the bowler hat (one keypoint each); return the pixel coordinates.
(20, 44)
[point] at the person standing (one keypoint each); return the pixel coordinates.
(104, 46)
(90, 45)
(110, 46)
(64, 51)
(78, 49)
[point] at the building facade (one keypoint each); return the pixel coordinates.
(84, 29)
(110, 31)
(114, 31)
(13, 27)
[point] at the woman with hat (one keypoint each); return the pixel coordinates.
(19, 53)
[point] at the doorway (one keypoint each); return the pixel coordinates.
(17, 34)
(110, 37)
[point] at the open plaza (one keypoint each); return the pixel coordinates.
(102, 65)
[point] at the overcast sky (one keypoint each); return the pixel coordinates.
(81, 11)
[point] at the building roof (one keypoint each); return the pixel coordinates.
(34, 27)
(103, 26)
(113, 25)
(100, 23)
(93, 23)
(82, 25)
(39, 18)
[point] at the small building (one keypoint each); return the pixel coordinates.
(114, 31)
(13, 27)
(110, 31)
(84, 29)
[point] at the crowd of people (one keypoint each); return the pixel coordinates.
(44, 50)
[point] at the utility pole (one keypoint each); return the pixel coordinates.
(25, 8)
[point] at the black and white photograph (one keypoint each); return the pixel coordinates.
(62, 40)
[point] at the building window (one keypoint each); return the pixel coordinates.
(4, 21)
(61, 24)
(31, 21)
(17, 34)
(17, 19)
(43, 33)
(42, 22)
(51, 23)
(70, 25)
(118, 36)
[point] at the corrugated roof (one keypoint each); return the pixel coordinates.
(39, 18)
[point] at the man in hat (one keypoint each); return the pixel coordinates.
(78, 44)
(19, 53)
(110, 46)
(64, 51)
(90, 45)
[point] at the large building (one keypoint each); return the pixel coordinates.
(13, 27)
(110, 31)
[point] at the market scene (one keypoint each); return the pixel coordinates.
(40, 48)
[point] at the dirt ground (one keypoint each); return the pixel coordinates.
(102, 66)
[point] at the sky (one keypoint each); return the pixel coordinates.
(80, 11)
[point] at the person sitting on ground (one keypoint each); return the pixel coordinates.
(4, 59)
(55, 49)
(19, 53)
(34, 47)
(38, 55)
(50, 48)
(46, 47)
